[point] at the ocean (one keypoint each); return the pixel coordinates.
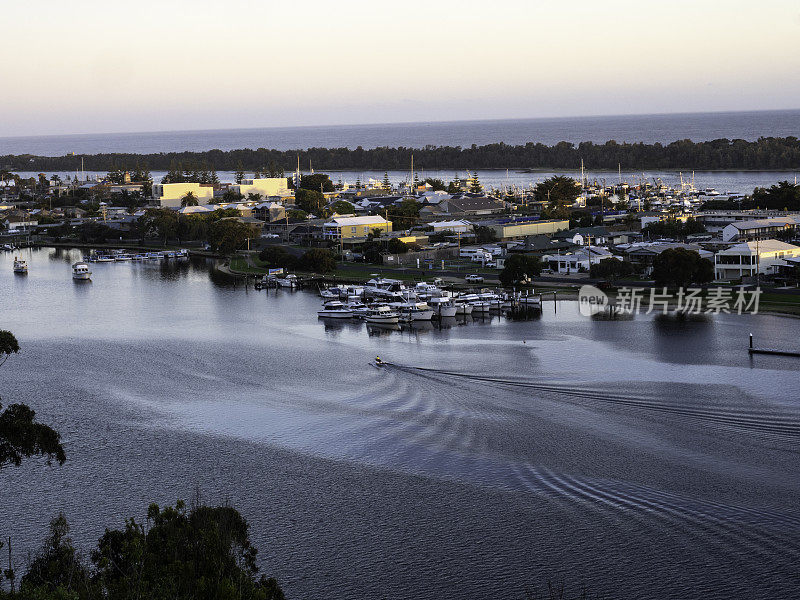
(663, 128)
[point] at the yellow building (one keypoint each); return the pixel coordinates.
(265, 187)
(355, 227)
(169, 195)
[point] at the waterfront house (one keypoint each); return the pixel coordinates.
(340, 228)
(578, 261)
(764, 257)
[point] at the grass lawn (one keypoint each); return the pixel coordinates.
(239, 265)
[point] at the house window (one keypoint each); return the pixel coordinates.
(354, 230)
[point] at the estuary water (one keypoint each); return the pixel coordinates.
(644, 458)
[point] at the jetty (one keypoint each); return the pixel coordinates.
(751, 350)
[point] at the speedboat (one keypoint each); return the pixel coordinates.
(443, 307)
(382, 315)
(81, 272)
(20, 266)
(335, 310)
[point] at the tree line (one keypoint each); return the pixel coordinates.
(767, 153)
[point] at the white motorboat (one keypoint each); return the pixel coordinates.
(335, 310)
(290, 281)
(443, 307)
(20, 266)
(81, 272)
(416, 311)
(530, 301)
(383, 315)
(104, 259)
(463, 308)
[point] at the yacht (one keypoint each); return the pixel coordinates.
(383, 315)
(20, 266)
(335, 310)
(103, 258)
(443, 307)
(81, 272)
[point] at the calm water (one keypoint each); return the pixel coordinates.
(629, 128)
(646, 459)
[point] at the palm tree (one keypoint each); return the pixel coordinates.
(189, 200)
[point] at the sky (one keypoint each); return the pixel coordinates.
(91, 66)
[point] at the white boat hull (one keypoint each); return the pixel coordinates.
(335, 314)
(447, 311)
(81, 276)
(383, 320)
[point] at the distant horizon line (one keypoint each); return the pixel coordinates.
(391, 123)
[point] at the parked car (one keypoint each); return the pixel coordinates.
(473, 278)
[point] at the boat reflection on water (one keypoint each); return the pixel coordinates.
(382, 329)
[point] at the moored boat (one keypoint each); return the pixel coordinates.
(335, 310)
(382, 315)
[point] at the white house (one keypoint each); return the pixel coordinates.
(579, 261)
(748, 258)
(759, 229)
(169, 195)
(451, 226)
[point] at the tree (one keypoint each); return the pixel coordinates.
(160, 222)
(397, 246)
(405, 214)
(20, 435)
(228, 235)
(343, 207)
(204, 553)
(317, 260)
(484, 234)
(8, 345)
(189, 200)
(319, 182)
(311, 201)
(475, 185)
(520, 267)
(679, 267)
(239, 175)
(610, 269)
(57, 566)
(436, 184)
(783, 196)
(275, 256)
(386, 185)
(254, 197)
(559, 192)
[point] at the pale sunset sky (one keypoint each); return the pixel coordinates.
(91, 66)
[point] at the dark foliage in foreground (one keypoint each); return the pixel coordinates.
(201, 554)
(764, 153)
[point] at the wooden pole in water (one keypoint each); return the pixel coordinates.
(555, 303)
(751, 341)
